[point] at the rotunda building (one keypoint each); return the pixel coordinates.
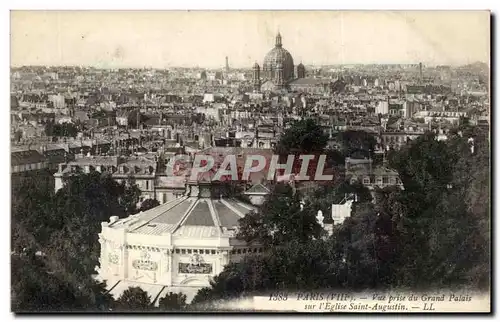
(178, 246)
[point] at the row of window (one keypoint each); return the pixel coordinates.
(247, 250)
(396, 112)
(394, 139)
(123, 169)
(112, 169)
(308, 89)
(195, 251)
(177, 250)
(379, 180)
(188, 251)
(446, 114)
(28, 167)
(149, 249)
(148, 185)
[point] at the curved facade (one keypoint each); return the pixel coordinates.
(278, 55)
(182, 243)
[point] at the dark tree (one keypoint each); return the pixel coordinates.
(32, 218)
(173, 302)
(149, 204)
(204, 295)
(134, 299)
(424, 165)
(130, 197)
(433, 234)
(324, 196)
(64, 227)
(441, 179)
(303, 137)
(38, 286)
(280, 219)
(360, 142)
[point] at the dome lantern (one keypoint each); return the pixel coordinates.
(278, 40)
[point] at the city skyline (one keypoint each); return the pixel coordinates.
(203, 38)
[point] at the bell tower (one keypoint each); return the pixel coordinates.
(301, 71)
(256, 77)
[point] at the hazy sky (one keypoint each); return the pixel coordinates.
(203, 38)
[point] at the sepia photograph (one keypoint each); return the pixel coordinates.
(181, 161)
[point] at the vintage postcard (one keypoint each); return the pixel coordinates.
(277, 161)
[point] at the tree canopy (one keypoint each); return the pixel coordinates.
(281, 218)
(64, 227)
(173, 302)
(357, 143)
(433, 234)
(304, 136)
(134, 299)
(36, 286)
(148, 204)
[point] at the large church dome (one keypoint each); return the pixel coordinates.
(278, 55)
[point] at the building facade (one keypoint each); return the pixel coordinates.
(280, 74)
(182, 244)
(140, 169)
(363, 171)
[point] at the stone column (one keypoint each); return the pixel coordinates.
(125, 261)
(172, 268)
(122, 265)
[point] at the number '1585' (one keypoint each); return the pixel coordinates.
(278, 297)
